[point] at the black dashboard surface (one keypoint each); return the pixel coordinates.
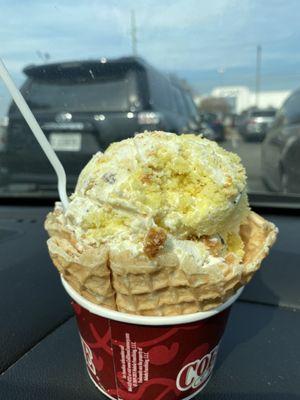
(32, 300)
(40, 349)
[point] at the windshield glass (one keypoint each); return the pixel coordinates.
(264, 113)
(98, 72)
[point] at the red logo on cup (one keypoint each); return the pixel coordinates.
(197, 372)
(88, 355)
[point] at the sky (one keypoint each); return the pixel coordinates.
(209, 43)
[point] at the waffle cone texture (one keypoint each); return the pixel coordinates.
(159, 286)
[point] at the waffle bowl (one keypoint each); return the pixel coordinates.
(166, 286)
(84, 267)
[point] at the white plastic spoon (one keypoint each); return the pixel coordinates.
(38, 133)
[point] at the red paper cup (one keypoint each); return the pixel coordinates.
(131, 357)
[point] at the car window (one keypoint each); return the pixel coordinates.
(191, 106)
(186, 109)
(160, 91)
(263, 113)
(89, 95)
(180, 106)
(292, 109)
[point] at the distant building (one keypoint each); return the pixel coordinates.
(241, 97)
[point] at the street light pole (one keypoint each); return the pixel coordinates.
(133, 33)
(258, 75)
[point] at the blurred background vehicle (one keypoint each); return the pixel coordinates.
(254, 124)
(281, 149)
(3, 136)
(215, 129)
(185, 105)
(3, 130)
(84, 106)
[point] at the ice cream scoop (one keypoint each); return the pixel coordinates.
(185, 184)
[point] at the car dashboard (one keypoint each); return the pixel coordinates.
(41, 355)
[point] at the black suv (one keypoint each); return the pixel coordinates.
(84, 106)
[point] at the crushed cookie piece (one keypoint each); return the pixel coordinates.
(193, 238)
(230, 258)
(215, 245)
(228, 181)
(146, 178)
(109, 177)
(154, 241)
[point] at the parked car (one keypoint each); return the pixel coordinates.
(84, 106)
(281, 149)
(254, 124)
(213, 127)
(3, 129)
(3, 136)
(190, 110)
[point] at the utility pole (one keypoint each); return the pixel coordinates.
(258, 75)
(133, 33)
